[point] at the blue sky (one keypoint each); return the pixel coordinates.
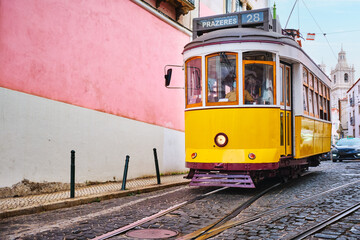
(339, 19)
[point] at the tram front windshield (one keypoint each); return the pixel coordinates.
(259, 84)
(222, 83)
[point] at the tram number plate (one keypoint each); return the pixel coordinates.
(252, 17)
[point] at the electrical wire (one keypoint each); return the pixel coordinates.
(322, 32)
(290, 13)
(339, 32)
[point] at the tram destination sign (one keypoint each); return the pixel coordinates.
(218, 22)
(260, 18)
(254, 17)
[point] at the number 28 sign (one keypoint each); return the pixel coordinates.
(252, 17)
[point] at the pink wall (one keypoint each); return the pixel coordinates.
(205, 11)
(106, 55)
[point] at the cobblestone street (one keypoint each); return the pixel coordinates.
(91, 220)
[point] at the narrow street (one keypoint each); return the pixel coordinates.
(312, 205)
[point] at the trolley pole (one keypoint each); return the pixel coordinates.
(157, 167)
(123, 186)
(72, 175)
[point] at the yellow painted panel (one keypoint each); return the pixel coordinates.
(312, 137)
(305, 135)
(233, 155)
(289, 137)
(327, 137)
(318, 137)
(248, 129)
(282, 120)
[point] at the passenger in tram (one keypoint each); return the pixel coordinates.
(231, 96)
(252, 88)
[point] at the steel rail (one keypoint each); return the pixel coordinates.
(231, 223)
(325, 223)
(226, 218)
(154, 216)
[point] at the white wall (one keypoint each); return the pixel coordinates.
(45, 131)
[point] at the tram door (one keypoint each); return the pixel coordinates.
(285, 111)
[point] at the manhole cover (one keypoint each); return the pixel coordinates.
(155, 233)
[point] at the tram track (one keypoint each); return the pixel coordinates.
(225, 222)
(154, 216)
(325, 223)
(203, 233)
(161, 213)
(229, 216)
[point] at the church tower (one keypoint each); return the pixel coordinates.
(342, 78)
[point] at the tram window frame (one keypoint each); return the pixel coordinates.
(221, 103)
(285, 82)
(305, 100)
(316, 105)
(268, 63)
(282, 84)
(320, 89)
(288, 85)
(311, 81)
(311, 102)
(199, 104)
(305, 77)
(305, 81)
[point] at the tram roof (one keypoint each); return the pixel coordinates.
(234, 35)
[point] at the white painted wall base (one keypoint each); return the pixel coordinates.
(37, 135)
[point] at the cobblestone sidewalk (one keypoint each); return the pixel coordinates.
(35, 203)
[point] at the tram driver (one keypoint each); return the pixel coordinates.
(252, 87)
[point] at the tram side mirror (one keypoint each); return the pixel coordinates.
(168, 77)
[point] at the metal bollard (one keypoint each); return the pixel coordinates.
(125, 172)
(72, 175)
(157, 167)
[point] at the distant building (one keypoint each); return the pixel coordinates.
(342, 78)
(353, 106)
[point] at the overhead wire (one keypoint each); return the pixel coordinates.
(323, 33)
(347, 31)
(290, 13)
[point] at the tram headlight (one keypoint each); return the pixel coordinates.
(221, 139)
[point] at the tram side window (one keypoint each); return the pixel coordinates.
(306, 100)
(282, 84)
(285, 75)
(193, 82)
(221, 79)
(259, 83)
(288, 86)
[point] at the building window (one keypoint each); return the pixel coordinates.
(238, 6)
(334, 78)
(228, 6)
(346, 77)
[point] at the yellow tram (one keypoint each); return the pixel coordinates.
(257, 106)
